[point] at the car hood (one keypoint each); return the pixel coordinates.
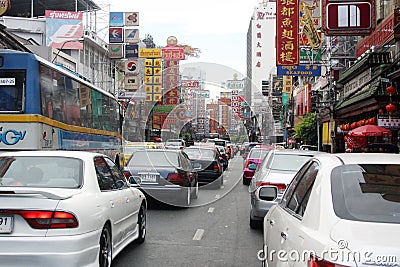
(374, 244)
(276, 176)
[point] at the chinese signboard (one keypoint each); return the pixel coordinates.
(173, 53)
(287, 38)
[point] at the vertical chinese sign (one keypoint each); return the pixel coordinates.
(287, 28)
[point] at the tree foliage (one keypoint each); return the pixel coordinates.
(307, 129)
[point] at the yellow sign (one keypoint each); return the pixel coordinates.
(148, 62)
(148, 71)
(148, 79)
(157, 71)
(148, 88)
(287, 85)
(4, 6)
(150, 53)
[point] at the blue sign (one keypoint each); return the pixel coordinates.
(301, 70)
(11, 137)
(131, 51)
(116, 19)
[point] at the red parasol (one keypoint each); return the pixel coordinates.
(369, 130)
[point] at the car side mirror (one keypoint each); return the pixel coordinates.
(134, 180)
(252, 166)
(267, 193)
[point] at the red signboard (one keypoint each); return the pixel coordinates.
(287, 37)
(173, 53)
(348, 17)
(382, 35)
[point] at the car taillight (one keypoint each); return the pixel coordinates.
(216, 167)
(317, 262)
(175, 178)
(43, 219)
(281, 187)
(127, 174)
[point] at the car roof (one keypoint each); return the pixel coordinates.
(297, 152)
(53, 153)
(365, 158)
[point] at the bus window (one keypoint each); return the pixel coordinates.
(11, 93)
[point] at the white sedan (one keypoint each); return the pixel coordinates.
(339, 210)
(66, 208)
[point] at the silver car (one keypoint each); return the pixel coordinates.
(277, 169)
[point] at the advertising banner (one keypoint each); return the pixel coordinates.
(115, 35)
(132, 35)
(115, 51)
(63, 29)
(116, 19)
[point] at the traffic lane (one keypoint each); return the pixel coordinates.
(214, 234)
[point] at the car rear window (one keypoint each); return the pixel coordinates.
(258, 153)
(367, 192)
(55, 172)
(153, 158)
(195, 153)
(288, 162)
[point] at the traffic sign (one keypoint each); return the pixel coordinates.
(348, 17)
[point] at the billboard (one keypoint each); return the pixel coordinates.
(63, 29)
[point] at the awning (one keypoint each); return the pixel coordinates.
(346, 106)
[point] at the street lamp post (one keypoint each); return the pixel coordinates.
(62, 46)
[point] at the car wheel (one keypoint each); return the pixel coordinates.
(105, 256)
(195, 194)
(246, 181)
(254, 224)
(142, 224)
(222, 179)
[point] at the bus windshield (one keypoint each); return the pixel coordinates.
(11, 90)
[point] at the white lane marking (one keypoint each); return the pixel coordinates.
(210, 210)
(225, 180)
(217, 196)
(199, 234)
(222, 187)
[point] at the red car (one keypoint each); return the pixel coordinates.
(255, 156)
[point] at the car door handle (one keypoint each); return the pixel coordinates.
(283, 235)
(127, 200)
(112, 204)
(271, 222)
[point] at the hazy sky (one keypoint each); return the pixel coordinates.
(217, 27)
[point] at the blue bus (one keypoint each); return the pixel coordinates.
(46, 107)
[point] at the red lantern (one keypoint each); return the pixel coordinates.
(362, 122)
(390, 108)
(380, 111)
(373, 120)
(353, 125)
(391, 90)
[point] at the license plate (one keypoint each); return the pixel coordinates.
(6, 224)
(149, 177)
